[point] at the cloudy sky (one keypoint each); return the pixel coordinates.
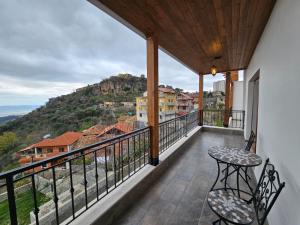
(52, 47)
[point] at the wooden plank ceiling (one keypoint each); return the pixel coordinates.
(197, 32)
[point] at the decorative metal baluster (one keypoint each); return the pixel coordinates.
(186, 126)
(144, 149)
(119, 162)
(11, 200)
(55, 198)
(85, 180)
(106, 178)
(36, 209)
(149, 145)
(121, 147)
(173, 132)
(128, 157)
(139, 152)
(134, 153)
(163, 138)
(176, 137)
(96, 174)
(72, 189)
(168, 131)
(114, 162)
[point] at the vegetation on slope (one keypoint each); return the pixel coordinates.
(25, 204)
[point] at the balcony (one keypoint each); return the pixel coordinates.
(99, 177)
(166, 181)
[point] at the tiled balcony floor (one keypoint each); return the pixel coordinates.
(179, 196)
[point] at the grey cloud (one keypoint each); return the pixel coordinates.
(73, 41)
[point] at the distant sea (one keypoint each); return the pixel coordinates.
(8, 110)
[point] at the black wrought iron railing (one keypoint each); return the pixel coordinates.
(236, 118)
(61, 188)
(172, 130)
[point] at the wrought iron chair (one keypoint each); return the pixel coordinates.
(247, 147)
(250, 141)
(232, 210)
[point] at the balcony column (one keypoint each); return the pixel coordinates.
(152, 98)
(200, 100)
(227, 99)
(234, 76)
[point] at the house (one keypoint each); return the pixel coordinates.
(167, 105)
(214, 100)
(100, 133)
(48, 148)
(109, 104)
(128, 104)
(184, 103)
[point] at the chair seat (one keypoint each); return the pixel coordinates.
(231, 208)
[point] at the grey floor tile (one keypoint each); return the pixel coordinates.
(179, 196)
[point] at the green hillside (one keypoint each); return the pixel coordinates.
(73, 112)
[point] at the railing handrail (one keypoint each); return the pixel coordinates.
(167, 121)
(177, 117)
(33, 165)
(222, 110)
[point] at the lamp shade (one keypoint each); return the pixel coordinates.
(213, 70)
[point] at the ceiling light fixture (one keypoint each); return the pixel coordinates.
(213, 69)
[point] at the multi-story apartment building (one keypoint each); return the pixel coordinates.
(184, 104)
(219, 86)
(167, 105)
(48, 148)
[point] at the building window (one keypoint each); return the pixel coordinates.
(39, 151)
(49, 150)
(160, 117)
(61, 149)
(141, 115)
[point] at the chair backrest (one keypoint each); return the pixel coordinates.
(250, 141)
(267, 191)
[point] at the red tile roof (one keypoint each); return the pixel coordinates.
(166, 90)
(123, 127)
(67, 138)
(185, 96)
(94, 130)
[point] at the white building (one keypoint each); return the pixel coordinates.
(238, 100)
(219, 86)
(272, 106)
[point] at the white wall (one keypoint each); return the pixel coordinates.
(278, 58)
(238, 95)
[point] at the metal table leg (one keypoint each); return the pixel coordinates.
(212, 188)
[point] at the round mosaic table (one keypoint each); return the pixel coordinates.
(237, 158)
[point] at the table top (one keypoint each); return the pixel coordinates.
(235, 156)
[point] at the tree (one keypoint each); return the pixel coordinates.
(7, 141)
(178, 90)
